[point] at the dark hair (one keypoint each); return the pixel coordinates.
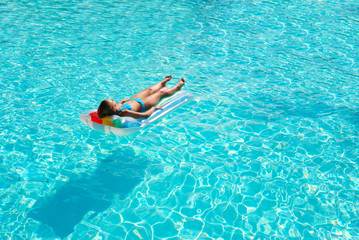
(105, 109)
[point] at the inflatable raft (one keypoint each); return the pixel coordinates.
(126, 125)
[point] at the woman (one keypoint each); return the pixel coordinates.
(140, 105)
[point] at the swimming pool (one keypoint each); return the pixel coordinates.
(268, 149)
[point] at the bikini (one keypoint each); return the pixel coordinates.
(128, 106)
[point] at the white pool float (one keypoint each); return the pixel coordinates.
(126, 125)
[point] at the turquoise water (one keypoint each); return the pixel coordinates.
(268, 149)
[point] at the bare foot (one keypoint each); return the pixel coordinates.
(181, 83)
(164, 81)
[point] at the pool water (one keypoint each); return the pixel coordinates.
(268, 148)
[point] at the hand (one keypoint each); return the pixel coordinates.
(159, 107)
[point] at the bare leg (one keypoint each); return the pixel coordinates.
(151, 90)
(153, 99)
(172, 90)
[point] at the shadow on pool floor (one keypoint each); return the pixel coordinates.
(115, 175)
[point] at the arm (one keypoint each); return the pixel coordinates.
(123, 101)
(137, 115)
